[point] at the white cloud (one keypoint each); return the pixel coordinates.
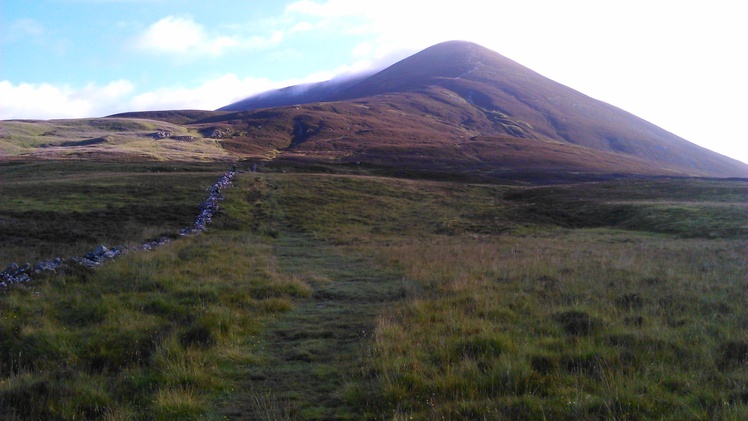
(47, 101)
(363, 49)
(179, 35)
(210, 95)
(218, 92)
(112, 91)
(302, 27)
(173, 35)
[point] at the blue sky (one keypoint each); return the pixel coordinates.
(679, 64)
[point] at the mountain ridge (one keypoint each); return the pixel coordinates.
(503, 98)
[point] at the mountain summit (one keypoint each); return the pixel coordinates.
(460, 104)
(448, 60)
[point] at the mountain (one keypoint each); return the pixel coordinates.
(462, 106)
(297, 94)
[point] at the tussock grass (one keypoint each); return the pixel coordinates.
(179, 403)
(348, 297)
(161, 333)
(583, 324)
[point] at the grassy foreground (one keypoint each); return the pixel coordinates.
(353, 297)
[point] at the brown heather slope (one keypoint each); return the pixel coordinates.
(411, 131)
(459, 104)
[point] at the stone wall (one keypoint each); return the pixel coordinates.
(16, 274)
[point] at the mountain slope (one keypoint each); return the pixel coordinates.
(298, 94)
(457, 91)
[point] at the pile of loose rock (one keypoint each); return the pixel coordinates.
(16, 274)
(209, 207)
(161, 134)
(220, 133)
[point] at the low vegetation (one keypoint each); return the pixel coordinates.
(333, 296)
(67, 208)
(158, 334)
(573, 325)
(127, 139)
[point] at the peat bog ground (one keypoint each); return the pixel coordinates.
(353, 296)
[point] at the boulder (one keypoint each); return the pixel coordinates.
(101, 250)
(45, 266)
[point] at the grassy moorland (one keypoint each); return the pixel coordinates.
(123, 139)
(329, 296)
(67, 208)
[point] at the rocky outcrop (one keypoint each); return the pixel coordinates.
(165, 134)
(16, 274)
(219, 133)
(161, 134)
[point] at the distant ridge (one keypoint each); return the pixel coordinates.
(484, 95)
(298, 94)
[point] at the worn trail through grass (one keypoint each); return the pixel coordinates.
(311, 353)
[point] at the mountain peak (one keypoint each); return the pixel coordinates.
(449, 59)
(476, 93)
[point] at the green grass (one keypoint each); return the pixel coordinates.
(155, 333)
(511, 312)
(64, 209)
(109, 138)
(679, 207)
(332, 296)
(584, 324)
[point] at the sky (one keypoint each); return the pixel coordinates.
(681, 65)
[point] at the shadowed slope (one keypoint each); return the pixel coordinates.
(298, 94)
